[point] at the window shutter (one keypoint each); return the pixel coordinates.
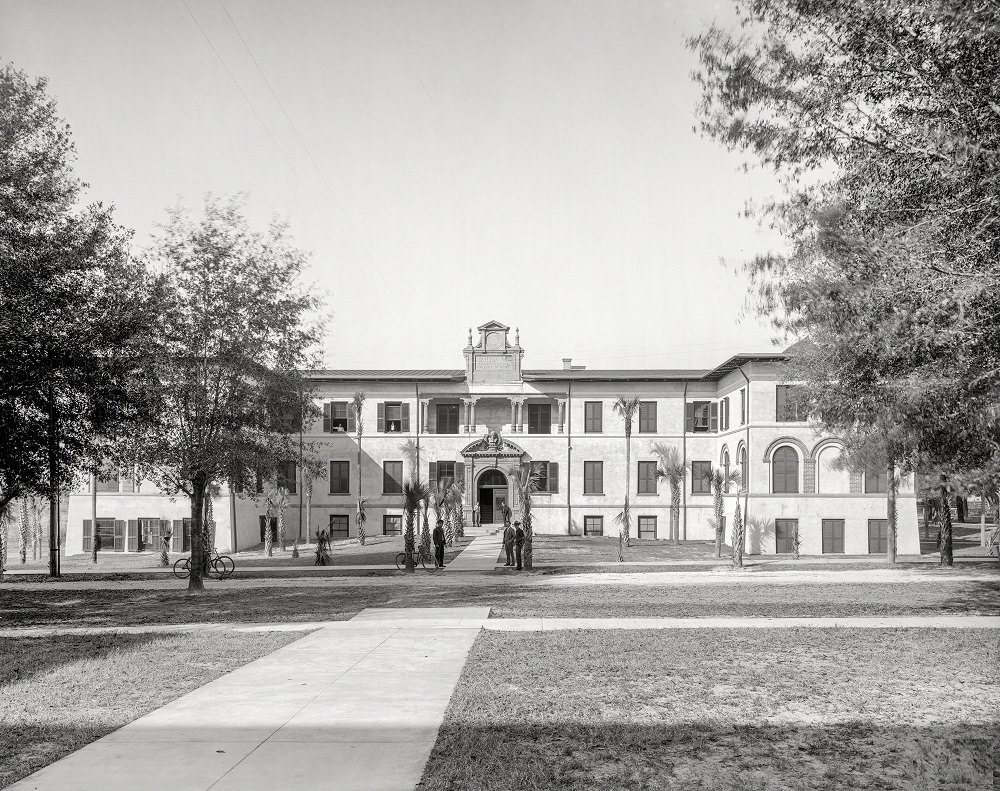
(554, 477)
(779, 403)
(460, 472)
(133, 535)
(177, 539)
(405, 409)
(380, 426)
(327, 417)
(689, 418)
(713, 418)
(432, 476)
(119, 541)
(351, 418)
(88, 533)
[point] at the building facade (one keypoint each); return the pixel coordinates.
(476, 424)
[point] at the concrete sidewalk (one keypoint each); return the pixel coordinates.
(480, 555)
(356, 706)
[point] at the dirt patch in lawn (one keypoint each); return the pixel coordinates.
(725, 709)
(63, 692)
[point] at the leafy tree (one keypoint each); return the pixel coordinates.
(76, 310)
(627, 407)
(235, 336)
(884, 122)
(670, 466)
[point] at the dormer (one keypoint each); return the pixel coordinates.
(494, 359)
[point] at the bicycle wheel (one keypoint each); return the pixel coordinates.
(182, 568)
(226, 566)
(401, 561)
(427, 561)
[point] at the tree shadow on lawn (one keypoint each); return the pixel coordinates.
(711, 755)
(22, 658)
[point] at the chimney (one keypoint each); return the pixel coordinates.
(567, 363)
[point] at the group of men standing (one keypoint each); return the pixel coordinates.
(513, 540)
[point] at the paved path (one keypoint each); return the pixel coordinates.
(480, 555)
(356, 706)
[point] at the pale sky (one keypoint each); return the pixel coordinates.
(445, 162)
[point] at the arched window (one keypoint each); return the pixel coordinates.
(741, 461)
(785, 471)
(725, 466)
(830, 479)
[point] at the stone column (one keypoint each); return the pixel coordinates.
(466, 406)
(562, 413)
(472, 409)
(424, 411)
(513, 415)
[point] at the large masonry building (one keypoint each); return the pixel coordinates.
(476, 424)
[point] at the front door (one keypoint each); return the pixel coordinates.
(499, 504)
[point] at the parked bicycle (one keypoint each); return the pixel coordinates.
(220, 566)
(423, 558)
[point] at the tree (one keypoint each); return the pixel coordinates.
(626, 406)
(739, 536)
(76, 310)
(358, 405)
(884, 122)
(414, 493)
(228, 393)
(670, 465)
(280, 504)
(526, 479)
(720, 481)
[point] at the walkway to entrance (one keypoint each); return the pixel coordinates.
(480, 555)
(351, 706)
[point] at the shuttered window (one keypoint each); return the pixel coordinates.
(700, 483)
(878, 536)
(833, 536)
(699, 417)
(646, 479)
(539, 418)
(393, 417)
(593, 417)
(785, 471)
(447, 419)
(784, 535)
(338, 416)
(392, 477)
(340, 477)
(876, 481)
(593, 477)
(647, 417)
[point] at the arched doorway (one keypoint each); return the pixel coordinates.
(491, 496)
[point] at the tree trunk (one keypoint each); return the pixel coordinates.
(626, 538)
(947, 557)
(408, 541)
(891, 513)
(675, 512)
(738, 533)
(196, 582)
(982, 520)
(718, 524)
(361, 526)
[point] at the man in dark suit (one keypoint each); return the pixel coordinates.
(438, 537)
(508, 544)
(518, 543)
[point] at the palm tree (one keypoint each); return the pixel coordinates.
(280, 504)
(526, 480)
(357, 404)
(671, 466)
(439, 500)
(739, 534)
(455, 501)
(22, 532)
(720, 481)
(414, 493)
(269, 503)
(425, 528)
(627, 408)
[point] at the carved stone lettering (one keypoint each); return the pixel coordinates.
(504, 363)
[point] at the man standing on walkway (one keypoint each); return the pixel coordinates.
(508, 544)
(438, 537)
(518, 543)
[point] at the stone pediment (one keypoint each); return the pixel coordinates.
(492, 445)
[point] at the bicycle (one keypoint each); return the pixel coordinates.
(420, 556)
(220, 566)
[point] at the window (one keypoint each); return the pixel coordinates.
(785, 471)
(393, 416)
(833, 536)
(788, 406)
(539, 419)
(286, 476)
(593, 525)
(876, 481)
(743, 407)
(878, 536)
(339, 526)
(150, 531)
(647, 527)
(702, 416)
(338, 416)
(392, 477)
(724, 413)
(392, 525)
(593, 417)
(830, 479)
(447, 419)
(340, 477)
(725, 467)
(647, 477)
(106, 529)
(741, 462)
(700, 483)
(785, 531)
(647, 417)
(107, 481)
(593, 477)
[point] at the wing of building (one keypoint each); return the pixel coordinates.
(476, 423)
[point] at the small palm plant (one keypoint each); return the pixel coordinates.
(739, 536)
(720, 481)
(525, 479)
(627, 407)
(670, 466)
(269, 501)
(414, 493)
(23, 531)
(357, 405)
(425, 526)
(456, 500)
(280, 504)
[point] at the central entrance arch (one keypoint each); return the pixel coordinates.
(491, 496)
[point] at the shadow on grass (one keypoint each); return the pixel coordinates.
(711, 755)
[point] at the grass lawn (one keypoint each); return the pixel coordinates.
(726, 709)
(60, 693)
(247, 601)
(604, 549)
